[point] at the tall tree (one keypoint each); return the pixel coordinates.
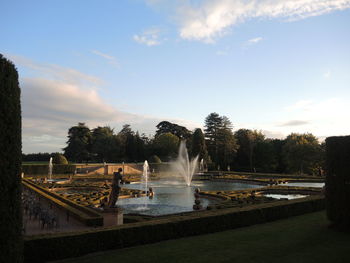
(166, 146)
(173, 128)
(227, 147)
(10, 164)
(247, 140)
(301, 153)
(103, 143)
(220, 141)
(78, 144)
(213, 123)
(198, 145)
(126, 138)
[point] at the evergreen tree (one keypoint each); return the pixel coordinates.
(220, 141)
(10, 164)
(78, 144)
(198, 145)
(213, 123)
(103, 144)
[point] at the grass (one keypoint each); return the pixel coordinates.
(305, 238)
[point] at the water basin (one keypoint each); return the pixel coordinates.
(174, 197)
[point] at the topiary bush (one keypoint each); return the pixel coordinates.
(59, 159)
(338, 181)
(155, 159)
(10, 163)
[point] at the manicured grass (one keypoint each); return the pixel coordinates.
(305, 238)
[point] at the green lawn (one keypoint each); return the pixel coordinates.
(305, 238)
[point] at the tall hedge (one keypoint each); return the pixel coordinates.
(338, 180)
(10, 164)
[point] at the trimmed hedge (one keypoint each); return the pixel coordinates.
(41, 169)
(338, 180)
(10, 163)
(40, 249)
(59, 159)
(87, 216)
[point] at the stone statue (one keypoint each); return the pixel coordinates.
(113, 196)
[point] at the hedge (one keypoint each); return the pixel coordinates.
(10, 163)
(338, 181)
(54, 247)
(40, 169)
(87, 216)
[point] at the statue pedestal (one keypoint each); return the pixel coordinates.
(112, 216)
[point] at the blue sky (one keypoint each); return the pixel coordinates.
(279, 66)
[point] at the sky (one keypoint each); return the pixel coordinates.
(279, 66)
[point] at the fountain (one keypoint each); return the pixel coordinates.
(201, 166)
(50, 168)
(145, 176)
(183, 165)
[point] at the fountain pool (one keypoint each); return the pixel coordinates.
(173, 197)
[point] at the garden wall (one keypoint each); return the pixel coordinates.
(44, 248)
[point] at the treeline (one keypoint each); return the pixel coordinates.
(220, 147)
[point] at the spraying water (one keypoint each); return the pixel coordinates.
(184, 166)
(145, 179)
(50, 168)
(201, 166)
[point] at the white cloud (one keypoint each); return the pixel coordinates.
(326, 117)
(327, 74)
(254, 40)
(110, 59)
(209, 19)
(150, 37)
(62, 97)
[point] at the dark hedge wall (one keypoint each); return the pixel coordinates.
(43, 169)
(10, 164)
(53, 247)
(338, 180)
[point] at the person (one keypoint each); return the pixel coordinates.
(113, 196)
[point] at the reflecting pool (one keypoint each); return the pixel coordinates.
(174, 197)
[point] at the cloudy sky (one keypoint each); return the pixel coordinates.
(279, 66)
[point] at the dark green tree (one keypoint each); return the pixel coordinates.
(166, 146)
(128, 145)
(265, 157)
(227, 148)
(247, 140)
(198, 145)
(301, 153)
(220, 141)
(10, 164)
(78, 144)
(103, 145)
(213, 123)
(177, 130)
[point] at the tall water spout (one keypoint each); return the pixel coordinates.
(145, 178)
(145, 175)
(50, 168)
(184, 166)
(201, 166)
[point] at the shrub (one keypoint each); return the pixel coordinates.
(59, 159)
(338, 180)
(155, 159)
(10, 160)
